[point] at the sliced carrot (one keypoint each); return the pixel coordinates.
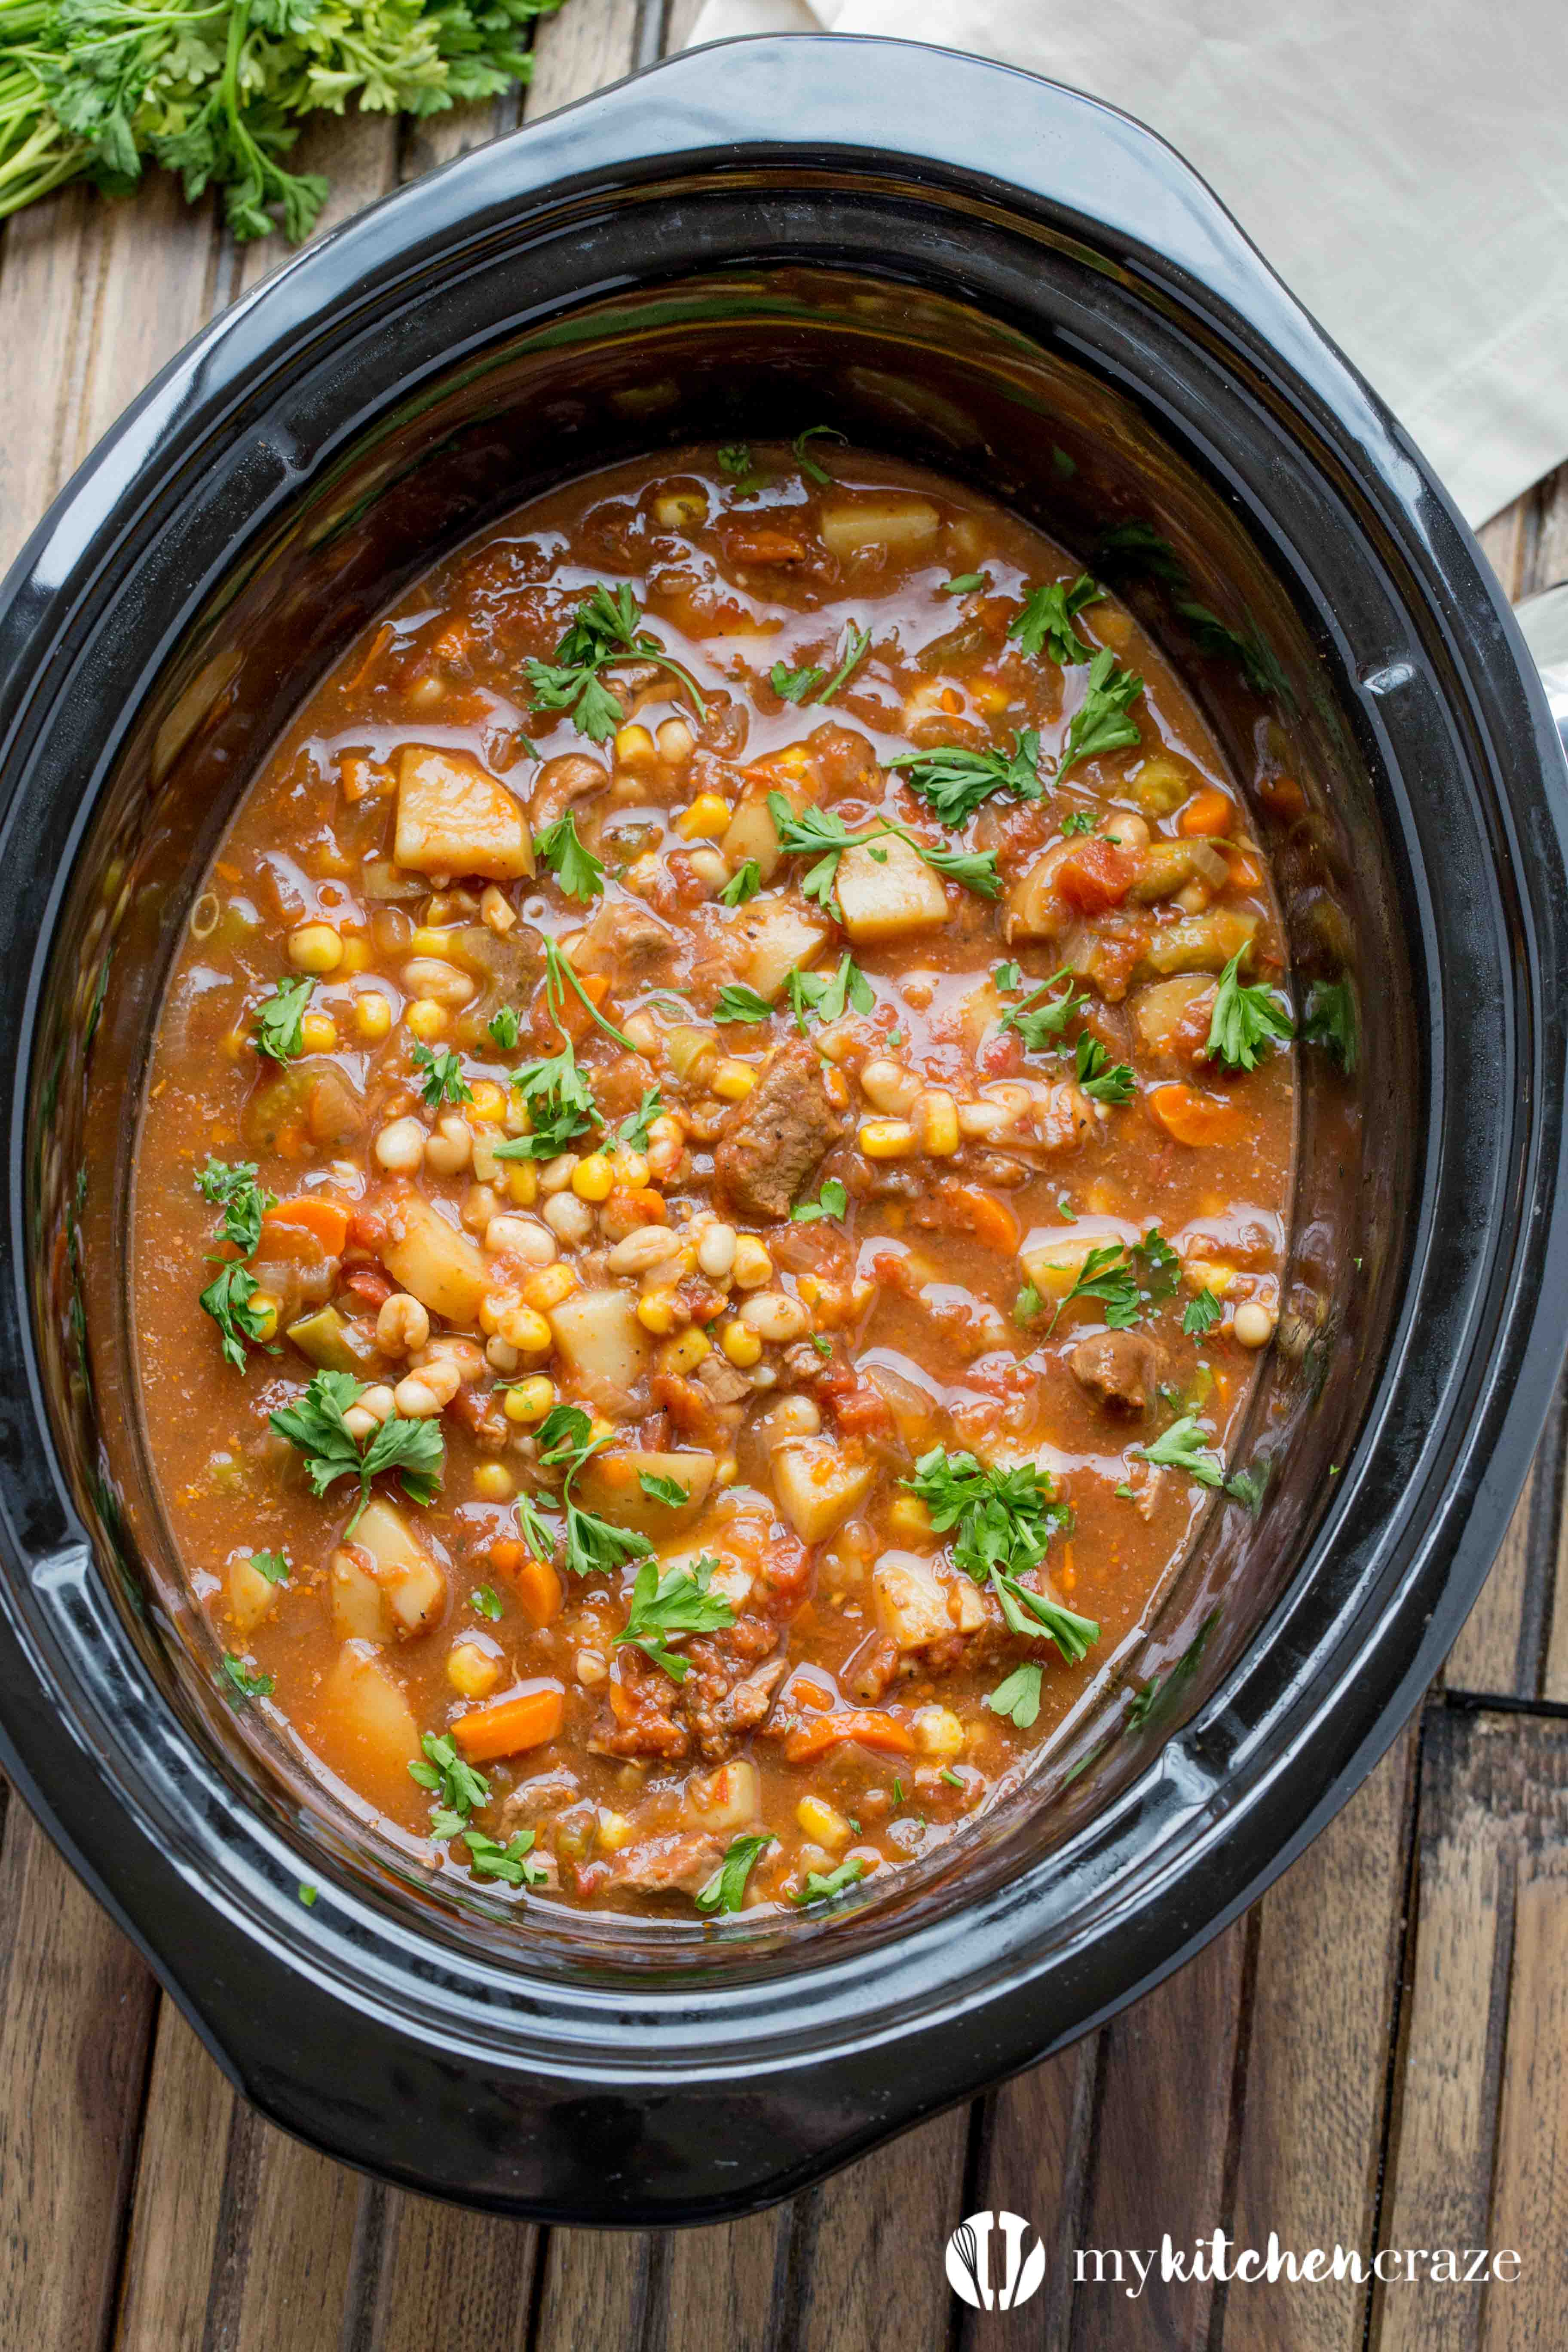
(991, 1221)
(538, 1587)
(575, 1020)
(1245, 871)
(328, 1220)
(1192, 1118)
(511, 1724)
(1208, 811)
(632, 1206)
(870, 1725)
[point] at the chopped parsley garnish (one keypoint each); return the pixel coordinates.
(1100, 723)
(1079, 821)
(1018, 1697)
(242, 1683)
(306, 1896)
(1331, 1021)
(739, 1003)
(660, 1489)
(414, 1449)
(1072, 1634)
(821, 835)
(1182, 1447)
(487, 1601)
(1042, 1018)
(735, 459)
(575, 868)
(962, 582)
(1005, 1519)
(456, 1786)
(828, 997)
(955, 1779)
(1106, 1274)
(1045, 622)
(228, 1299)
(1246, 1021)
(795, 685)
(1202, 1313)
(1160, 1267)
(726, 1890)
(1065, 1210)
(799, 686)
(560, 1105)
(953, 783)
(272, 1565)
(823, 1345)
(1249, 1485)
(1101, 1079)
(632, 1134)
(279, 1018)
(821, 1885)
(443, 1080)
(605, 631)
(559, 977)
(1027, 1307)
(831, 1201)
(809, 465)
(505, 1028)
(566, 1439)
(491, 1859)
(677, 1602)
(741, 885)
(244, 1202)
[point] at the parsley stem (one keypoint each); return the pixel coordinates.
(556, 968)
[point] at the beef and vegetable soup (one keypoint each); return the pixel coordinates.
(712, 1184)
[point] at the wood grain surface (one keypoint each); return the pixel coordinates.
(1377, 2056)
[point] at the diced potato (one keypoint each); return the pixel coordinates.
(752, 832)
(816, 1488)
(907, 527)
(730, 1579)
(1053, 1261)
(1168, 866)
(601, 1340)
(611, 1484)
(251, 1596)
(434, 1261)
(453, 817)
(780, 940)
(406, 1573)
(1202, 942)
(359, 1609)
(727, 1799)
(914, 1606)
(328, 1340)
(368, 1731)
(887, 898)
(1159, 1010)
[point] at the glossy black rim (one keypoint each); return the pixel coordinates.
(802, 2070)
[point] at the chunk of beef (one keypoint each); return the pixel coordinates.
(1118, 1368)
(623, 937)
(723, 1384)
(772, 1142)
(678, 1863)
(727, 1693)
(561, 780)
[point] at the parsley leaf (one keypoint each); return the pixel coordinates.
(505, 1028)
(833, 1201)
(444, 1080)
(1079, 821)
(279, 1032)
(579, 873)
(828, 997)
(1018, 1697)
(604, 631)
(272, 1565)
(1202, 1313)
(593, 1545)
(726, 1890)
(806, 685)
(487, 1601)
(1106, 1274)
(1101, 1079)
(1100, 722)
(821, 1885)
(663, 1490)
(227, 1299)
(735, 459)
(242, 1683)
(737, 1003)
(244, 1202)
(1246, 1021)
(455, 1785)
(741, 885)
(1073, 1635)
(1041, 1018)
(1180, 1447)
(1160, 1265)
(559, 1103)
(953, 783)
(1045, 622)
(1027, 1307)
(632, 1134)
(821, 835)
(856, 645)
(795, 685)
(315, 1426)
(1331, 1021)
(962, 582)
(1005, 1519)
(677, 1602)
(809, 465)
(509, 1861)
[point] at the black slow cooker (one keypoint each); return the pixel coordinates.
(1025, 289)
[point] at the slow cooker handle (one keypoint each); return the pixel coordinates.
(1543, 619)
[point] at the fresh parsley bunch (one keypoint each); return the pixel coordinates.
(316, 1428)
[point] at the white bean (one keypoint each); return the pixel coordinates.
(648, 1246)
(888, 1087)
(451, 1147)
(556, 1174)
(443, 983)
(569, 1218)
(716, 1251)
(1252, 1324)
(774, 1315)
(521, 1237)
(400, 1148)
(403, 1327)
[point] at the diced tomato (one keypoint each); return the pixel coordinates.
(1096, 876)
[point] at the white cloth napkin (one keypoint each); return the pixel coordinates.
(1402, 164)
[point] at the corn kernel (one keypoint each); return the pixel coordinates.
(705, 820)
(265, 1308)
(601, 1431)
(472, 1672)
(910, 1520)
(753, 1264)
(489, 1104)
(988, 696)
(793, 760)
(887, 1139)
(356, 957)
(549, 1286)
(318, 1033)
(733, 1081)
(524, 1329)
(683, 1354)
(373, 1015)
(315, 947)
(823, 1822)
(613, 1830)
(523, 1183)
(1210, 1273)
(742, 1346)
(530, 1400)
(492, 1484)
(635, 747)
(934, 1118)
(593, 1178)
(938, 1732)
(629, 1168)
(655, 1311)
(427, 941)
(427, 1019)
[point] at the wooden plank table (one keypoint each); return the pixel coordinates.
(1376, 2055)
